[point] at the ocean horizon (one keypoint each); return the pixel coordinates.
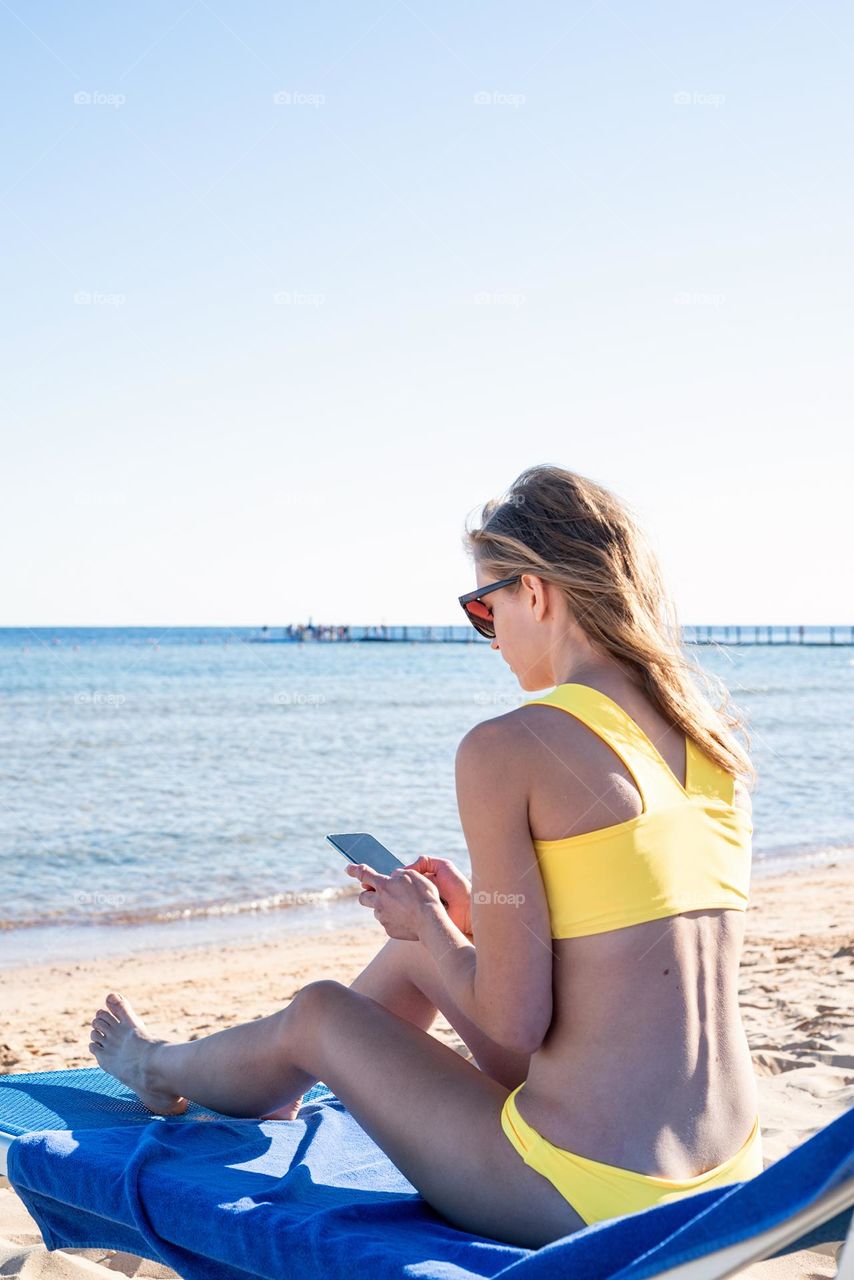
(173, 786)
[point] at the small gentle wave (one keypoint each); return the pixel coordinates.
(189, 911)
(802, 855)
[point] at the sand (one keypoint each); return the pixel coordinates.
(796, 993)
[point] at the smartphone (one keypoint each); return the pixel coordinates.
(358, 846)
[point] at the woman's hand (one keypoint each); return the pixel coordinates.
(453, 887)
(398, 900)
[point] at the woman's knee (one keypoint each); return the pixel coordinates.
(316, 995)
(312, 1009)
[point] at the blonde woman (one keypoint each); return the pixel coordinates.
(591, 965)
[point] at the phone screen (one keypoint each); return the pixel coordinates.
(358, 846)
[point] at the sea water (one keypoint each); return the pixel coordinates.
(171, 787)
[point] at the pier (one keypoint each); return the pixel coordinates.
(711, 634)
(769, 634)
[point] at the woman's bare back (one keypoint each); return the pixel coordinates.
(646, 1063)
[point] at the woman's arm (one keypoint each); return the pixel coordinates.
(503, 979)
(454, 953)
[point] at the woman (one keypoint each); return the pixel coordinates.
(591, 966)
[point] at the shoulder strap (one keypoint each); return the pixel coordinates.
(653, 777)
(707, 778)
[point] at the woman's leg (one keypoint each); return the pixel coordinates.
(404, 977)
(435, 1115)
(122, 1045)
(238, 1071)
(386, 979)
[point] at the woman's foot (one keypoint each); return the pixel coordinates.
(290, 1112)
(124, 1048)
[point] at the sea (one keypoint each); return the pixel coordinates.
(173, 787)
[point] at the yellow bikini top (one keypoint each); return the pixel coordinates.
(689, 848)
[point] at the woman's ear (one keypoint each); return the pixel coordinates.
(538, 588)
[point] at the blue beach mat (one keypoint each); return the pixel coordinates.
(218, 1198)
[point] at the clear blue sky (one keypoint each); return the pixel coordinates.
(261, 357)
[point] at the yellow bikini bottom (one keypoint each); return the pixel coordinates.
(598, 1191)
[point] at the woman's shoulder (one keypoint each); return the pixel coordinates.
(534, 738)
(495, 731)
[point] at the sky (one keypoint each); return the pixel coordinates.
(291, 290)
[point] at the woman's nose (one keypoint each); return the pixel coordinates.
(495, 645)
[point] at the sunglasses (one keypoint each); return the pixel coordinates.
(479, 614)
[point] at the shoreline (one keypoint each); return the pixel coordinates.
(233, 925)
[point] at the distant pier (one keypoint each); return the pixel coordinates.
(769, 634)
(713, 634)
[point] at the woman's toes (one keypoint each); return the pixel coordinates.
(122, 1009)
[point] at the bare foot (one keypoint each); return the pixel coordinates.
(289, 1112)
(123, 1047)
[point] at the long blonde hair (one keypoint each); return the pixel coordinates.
(585, 540)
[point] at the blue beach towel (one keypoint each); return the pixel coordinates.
(222, 1199)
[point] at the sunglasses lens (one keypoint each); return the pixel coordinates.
(480, 617)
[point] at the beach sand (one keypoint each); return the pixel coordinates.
(796, 992)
